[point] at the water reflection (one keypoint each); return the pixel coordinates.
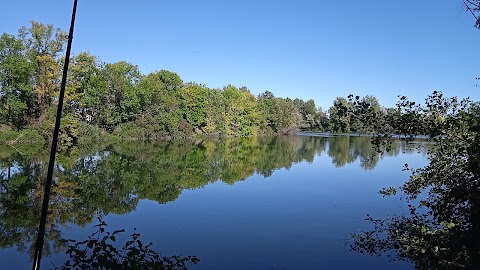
(99, 180)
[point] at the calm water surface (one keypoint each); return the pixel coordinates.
(257, 203)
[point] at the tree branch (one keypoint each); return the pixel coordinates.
(476, 6)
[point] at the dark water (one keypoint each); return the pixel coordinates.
(256, 203)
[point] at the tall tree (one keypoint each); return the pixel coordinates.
(122, 103)
(43, 45)
(193, 104)
(87, 87)
(16, 73)
(366, 114)
(340, 114)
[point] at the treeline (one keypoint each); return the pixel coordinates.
(117, 99)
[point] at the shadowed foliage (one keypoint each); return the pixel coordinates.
(442, 229)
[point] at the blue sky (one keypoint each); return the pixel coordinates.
(307, 49)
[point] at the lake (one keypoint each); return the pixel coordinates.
(251, 203)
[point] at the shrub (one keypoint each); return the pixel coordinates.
(99, 252)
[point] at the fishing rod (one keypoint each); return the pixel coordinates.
(53, 151)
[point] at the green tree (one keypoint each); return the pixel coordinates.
(340, 114)
(241, 114)
(321, 120)
(193, 105)
(16, 72)
(87, 88)
(160, 107)
(43, 45)
(266, 108)
(171, 81)
(366, 115)
(442, 229)
(308, 112)
(216, 118)
(121, 103)
(278, 115)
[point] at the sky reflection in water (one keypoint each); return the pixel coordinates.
(282, 203)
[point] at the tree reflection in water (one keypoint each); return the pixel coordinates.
(93, 181)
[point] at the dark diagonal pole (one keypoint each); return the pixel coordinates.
(53, 151)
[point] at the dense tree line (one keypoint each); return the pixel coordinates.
(116, 98)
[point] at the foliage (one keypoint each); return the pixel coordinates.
(116, 98)
(310, 116)
(340, 114)
(42, 47)
(15, 74)
(442, 228)
(88, 133)
(24, 137)
(277, 115)
(357, 115)
(99, 252)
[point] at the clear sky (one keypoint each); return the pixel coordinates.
(308, 49)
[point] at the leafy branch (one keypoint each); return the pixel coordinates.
(99, 252)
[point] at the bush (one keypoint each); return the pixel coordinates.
(88, 133)
(99, 252)
(7, 133)
(129, 131)
(26, 136)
